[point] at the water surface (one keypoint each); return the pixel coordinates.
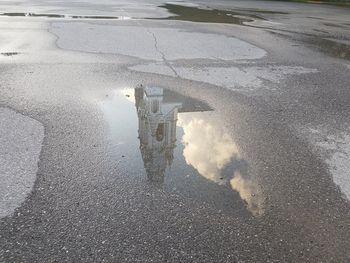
(175, 142)
(196, 14)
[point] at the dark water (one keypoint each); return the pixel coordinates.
(198, 14)
(175, 142)
(195, 14)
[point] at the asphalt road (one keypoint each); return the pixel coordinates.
(174, 132)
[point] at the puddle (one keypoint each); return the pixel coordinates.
(177, 144)
(63, 16)
(196, 14)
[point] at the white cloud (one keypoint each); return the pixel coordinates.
(207, 148)
(250, 192)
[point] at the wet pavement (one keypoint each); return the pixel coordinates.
(174, 132)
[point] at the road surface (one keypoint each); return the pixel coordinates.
(189, 131)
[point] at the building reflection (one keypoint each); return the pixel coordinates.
(157, 111)
(208, 148)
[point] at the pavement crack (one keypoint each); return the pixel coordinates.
(166, 62)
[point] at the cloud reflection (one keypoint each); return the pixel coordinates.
(250, 192)
(209, 149)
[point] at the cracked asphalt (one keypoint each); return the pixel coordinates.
(174, 132)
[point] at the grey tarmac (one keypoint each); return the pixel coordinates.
(184, 131)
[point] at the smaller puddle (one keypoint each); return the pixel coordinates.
(208, 15)
(64, 16)
(178, 144)
(196, 14)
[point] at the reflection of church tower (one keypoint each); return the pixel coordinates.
(157, 130)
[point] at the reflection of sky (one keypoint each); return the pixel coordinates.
(207, 149)
(202, 145)
(250, 192)
(120, 114)
(210, 150)
(129, 94)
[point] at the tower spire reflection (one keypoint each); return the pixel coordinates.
(157, 130)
